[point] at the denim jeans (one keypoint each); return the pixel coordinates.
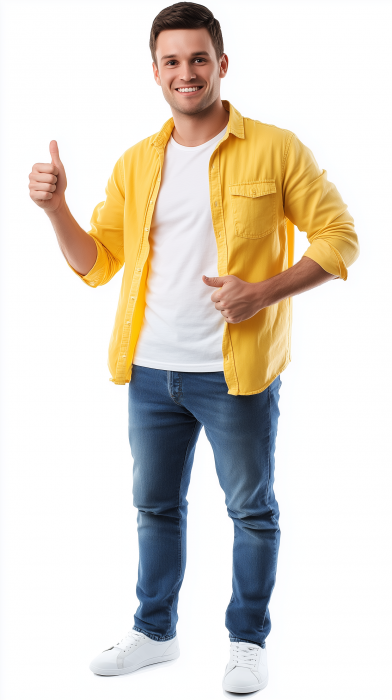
(167, 410)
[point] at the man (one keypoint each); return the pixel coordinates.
(202, 215)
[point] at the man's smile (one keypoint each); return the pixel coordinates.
(193, 88)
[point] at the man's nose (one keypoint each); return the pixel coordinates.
(187, 73)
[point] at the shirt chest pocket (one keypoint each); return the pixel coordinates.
(254, 208)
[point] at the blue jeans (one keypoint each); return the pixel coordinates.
(167, 410)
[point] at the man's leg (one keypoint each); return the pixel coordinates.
(162, 436)
(242, 432)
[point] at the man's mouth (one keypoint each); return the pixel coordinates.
(194, 88)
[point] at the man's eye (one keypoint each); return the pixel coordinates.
(173, 62)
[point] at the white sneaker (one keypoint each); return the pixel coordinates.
(247, 669)
(133, 652)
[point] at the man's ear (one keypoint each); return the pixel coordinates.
(156, 74)
(223, 65)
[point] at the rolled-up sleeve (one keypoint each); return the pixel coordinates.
(315, 206)
(107, 231)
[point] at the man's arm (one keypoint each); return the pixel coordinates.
(97, 255)
(304, 275)
(314, 205)
(48, 182)
(78, 248)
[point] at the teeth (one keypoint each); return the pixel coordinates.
(191, 89)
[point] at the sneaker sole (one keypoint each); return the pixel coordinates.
(248, 689)
(130, 669)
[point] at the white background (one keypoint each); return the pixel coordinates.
(80, 72)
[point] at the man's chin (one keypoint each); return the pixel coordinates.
(189, 110)
(181, 106)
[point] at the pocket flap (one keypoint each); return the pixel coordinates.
(253, 189)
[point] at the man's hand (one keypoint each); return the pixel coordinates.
(48, 182)
(236, 299)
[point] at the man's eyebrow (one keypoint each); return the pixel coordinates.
(195, 53)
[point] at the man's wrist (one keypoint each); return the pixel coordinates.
(261, 294)
(57, 212)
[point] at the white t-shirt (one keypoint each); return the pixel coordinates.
(182, 329)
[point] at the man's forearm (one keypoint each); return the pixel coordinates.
(76, 245)
(304, 275)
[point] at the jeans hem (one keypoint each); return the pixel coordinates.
(247, 641)
(155, 637)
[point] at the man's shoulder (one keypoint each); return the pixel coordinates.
(140, 148)
(256, 128)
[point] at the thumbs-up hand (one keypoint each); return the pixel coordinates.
(48, 181)
(235, 299)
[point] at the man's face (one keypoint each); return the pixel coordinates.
(186, 59)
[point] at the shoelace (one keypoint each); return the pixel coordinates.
(129, 640)
(244, 655)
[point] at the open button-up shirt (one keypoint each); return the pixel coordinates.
(263, 181)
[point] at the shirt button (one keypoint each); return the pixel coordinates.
(227, 357)
(216, 204)
(218, 235)
(253, 191)
(133, 298)
(124, 355)
(138, 269)
(146, 229)
(128, 322)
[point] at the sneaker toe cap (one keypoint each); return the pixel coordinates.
(106, 661)
(241, 677)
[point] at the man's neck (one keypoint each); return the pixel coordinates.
(195, 129)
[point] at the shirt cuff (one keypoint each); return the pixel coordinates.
(93, 276)
(328, 257)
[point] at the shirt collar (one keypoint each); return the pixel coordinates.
(235, 127)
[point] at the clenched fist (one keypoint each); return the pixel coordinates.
(48, 181)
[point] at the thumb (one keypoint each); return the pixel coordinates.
(54, 152)
(213, 281)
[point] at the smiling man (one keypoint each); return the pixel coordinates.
(201, 215)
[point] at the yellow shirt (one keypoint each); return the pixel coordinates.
(263, 181)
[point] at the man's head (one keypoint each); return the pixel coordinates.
(187, 49)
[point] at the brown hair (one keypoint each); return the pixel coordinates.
(186, 15)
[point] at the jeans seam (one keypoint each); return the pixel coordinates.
(180, 386)
(179, 524)
(269, 445)
(275, 568)
(169, 383)
(267, 493)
